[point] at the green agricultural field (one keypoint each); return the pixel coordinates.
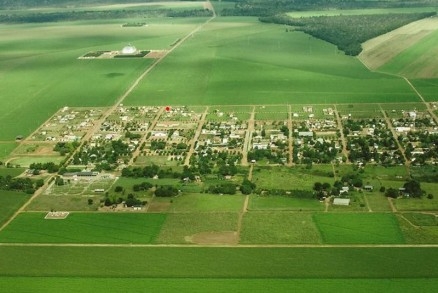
(188, 227)
(417, 61)
(219, 262)
(84, 228)
(279, 228)
(242, 61)
(193, 203)
(6, 149)
(200, 285)
(359, 228)
(43, 74)
(284, 203)
(10, 201)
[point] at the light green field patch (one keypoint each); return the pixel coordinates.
(93, 227)
(279, 228)
(181, 227)
(359, 228)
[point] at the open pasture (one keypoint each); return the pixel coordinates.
(359, 228)
(84, 228)
(359, 111)
(224, 71)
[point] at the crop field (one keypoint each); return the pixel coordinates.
(220, 262)
(10, 202)
(359, 228)
(336, 12)
(228, 73)
(198, 228)
(214, 74)
(57, 284)
(94, 228)
(279, 228)
(283, 203)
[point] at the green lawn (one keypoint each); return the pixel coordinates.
(359, 228)
(84, 228)
(279, 228)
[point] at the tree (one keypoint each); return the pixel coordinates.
(391, 192)
(118, 189)
(413, 188)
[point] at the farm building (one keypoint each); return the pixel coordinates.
(341, 201)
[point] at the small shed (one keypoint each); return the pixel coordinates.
(341, 201)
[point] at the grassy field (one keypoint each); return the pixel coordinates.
(93, 227)
(6, 148)
(358, 228)
(207, 203)
(279, 228)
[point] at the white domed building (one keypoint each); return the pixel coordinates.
(129, 50)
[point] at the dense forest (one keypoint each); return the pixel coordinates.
(347, 32)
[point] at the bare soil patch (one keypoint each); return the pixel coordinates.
(378, 51)
(156, 54)
(225, 237)
(158, 207)
(56, 215)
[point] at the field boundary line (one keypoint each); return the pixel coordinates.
(236, 246)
